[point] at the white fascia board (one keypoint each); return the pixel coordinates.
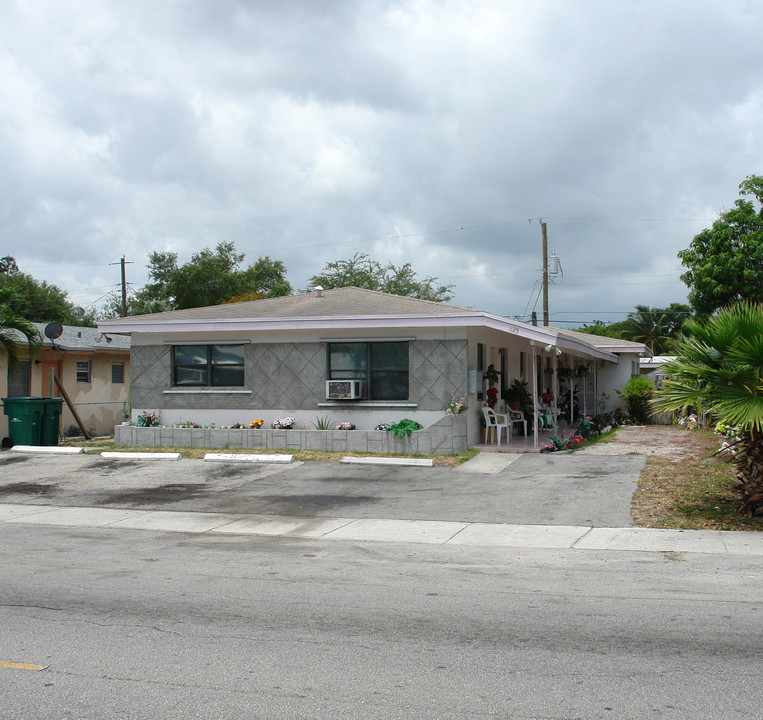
(544, 336)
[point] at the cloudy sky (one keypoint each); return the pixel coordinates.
(435, 132)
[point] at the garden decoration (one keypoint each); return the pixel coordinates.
(345, 426)
(456, 407)
(404, 427)
(148, 419)
(286, 423)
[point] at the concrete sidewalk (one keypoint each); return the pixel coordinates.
(562, 537)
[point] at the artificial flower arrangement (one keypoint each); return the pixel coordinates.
(455, 406)
(148, 419)
(256, 423)
(286, 423)
(345, 426)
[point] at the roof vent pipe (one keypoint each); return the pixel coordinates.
(318, 291)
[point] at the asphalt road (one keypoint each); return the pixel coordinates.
(534, 489)
(135, 624)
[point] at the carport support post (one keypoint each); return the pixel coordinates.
(535, 394)
(555, 387)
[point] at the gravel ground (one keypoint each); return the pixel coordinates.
(666, 440)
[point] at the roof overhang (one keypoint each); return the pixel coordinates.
(539, 335)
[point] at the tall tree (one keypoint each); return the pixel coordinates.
(719, 368)
(725, 263)
(38, 301)
(10, 325)
(210, 277)
(648, 326)
(364, 272)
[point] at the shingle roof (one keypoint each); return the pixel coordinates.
(79, 338)
(338, 302)
(602, 341)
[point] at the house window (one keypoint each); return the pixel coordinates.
(208, 365)
(19, 382)
(83, 371)
(381, 366)
(117, 373)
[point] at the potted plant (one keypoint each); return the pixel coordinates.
(492, 376)
(516, 394)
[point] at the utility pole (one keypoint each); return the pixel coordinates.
(545, 273)
(124, 285)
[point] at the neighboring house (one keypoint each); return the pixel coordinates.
(652, 367)
(398, 357)
(93, 368)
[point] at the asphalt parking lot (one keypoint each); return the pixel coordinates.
(533, 489)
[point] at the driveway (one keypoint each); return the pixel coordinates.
(565, 489)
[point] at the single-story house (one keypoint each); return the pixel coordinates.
(357, 356)
(93, 368)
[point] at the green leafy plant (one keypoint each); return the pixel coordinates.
(638, 393)
(323, 423)
(492, 375)
(404, 427)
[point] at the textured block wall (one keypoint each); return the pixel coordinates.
(293, 375)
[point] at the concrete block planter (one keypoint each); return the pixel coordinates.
(447, 435)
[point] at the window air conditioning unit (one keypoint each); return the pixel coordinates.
(344, 389)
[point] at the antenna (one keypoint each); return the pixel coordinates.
(53, 330)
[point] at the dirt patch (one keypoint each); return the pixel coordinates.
(665, 440)
(173, 492)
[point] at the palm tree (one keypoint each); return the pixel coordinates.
(649, 326)
(719, 367)
(10, 327)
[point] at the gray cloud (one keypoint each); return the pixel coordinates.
(423, 131)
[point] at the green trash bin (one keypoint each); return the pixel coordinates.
(24, 419)
(50, 419)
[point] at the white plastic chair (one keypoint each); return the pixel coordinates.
(494, 421)
(517, 417)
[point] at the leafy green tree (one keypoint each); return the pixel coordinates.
(10, 325)
(602, 329)
(8, 266)
(364, 272)
(725, 263)
(719, 368)
(38, 301)
(211, 277)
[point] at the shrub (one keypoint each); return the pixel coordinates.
(637, 393)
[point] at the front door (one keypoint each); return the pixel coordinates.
(47, 386)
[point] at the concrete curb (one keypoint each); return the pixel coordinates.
(247, 458)
(416, 462)
(559, 537)
(47, 450)
(140, 456)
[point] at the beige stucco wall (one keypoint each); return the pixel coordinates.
(99, 403)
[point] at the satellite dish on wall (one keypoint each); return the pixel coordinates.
(53, 330)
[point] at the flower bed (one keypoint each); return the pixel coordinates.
(447, 435)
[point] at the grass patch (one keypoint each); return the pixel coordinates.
(692, 493)
(189, 453)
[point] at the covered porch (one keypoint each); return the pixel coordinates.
(560, 377)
